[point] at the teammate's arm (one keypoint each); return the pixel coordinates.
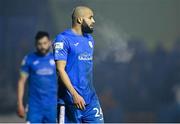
(20, 93)
(78, 100)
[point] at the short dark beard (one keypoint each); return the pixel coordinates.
(85, 28)
(39, 52)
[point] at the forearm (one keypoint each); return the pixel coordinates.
(77, 99)
(66, 81)
(20, 92)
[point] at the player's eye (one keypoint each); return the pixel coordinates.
(90, 17)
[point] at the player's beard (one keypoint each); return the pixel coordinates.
(85, 28)
(43, 51)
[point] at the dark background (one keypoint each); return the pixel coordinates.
(137, 53)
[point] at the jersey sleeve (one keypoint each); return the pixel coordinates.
(25, 66)
(60, 48)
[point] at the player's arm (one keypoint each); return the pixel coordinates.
(24, 72)
(78, 100)
(20, 93)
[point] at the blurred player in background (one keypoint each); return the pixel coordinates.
(73, 53)
(39, 69)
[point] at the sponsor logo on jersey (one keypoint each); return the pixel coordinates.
(58, 45)
(85, 57)
(44, 71)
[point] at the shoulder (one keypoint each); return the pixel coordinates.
(27, 58)
(60, 41)
(31, 56)
(60, 37)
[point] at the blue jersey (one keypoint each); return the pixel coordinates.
(77, 51)
(42, 81)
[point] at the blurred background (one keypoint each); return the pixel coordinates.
(137, 53)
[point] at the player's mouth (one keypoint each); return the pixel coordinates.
(91, 26)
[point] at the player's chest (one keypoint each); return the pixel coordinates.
(42, 66)
(79, 46)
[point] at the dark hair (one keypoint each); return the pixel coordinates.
(41, 34)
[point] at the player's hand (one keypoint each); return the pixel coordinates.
(79, 101)
(21, 111)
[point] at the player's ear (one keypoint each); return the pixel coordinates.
(79, 20)
(50, 42)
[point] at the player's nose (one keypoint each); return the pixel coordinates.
(93, 21)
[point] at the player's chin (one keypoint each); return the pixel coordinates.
(44, 52)
(91, 27)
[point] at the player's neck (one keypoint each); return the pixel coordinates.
(77, 30)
